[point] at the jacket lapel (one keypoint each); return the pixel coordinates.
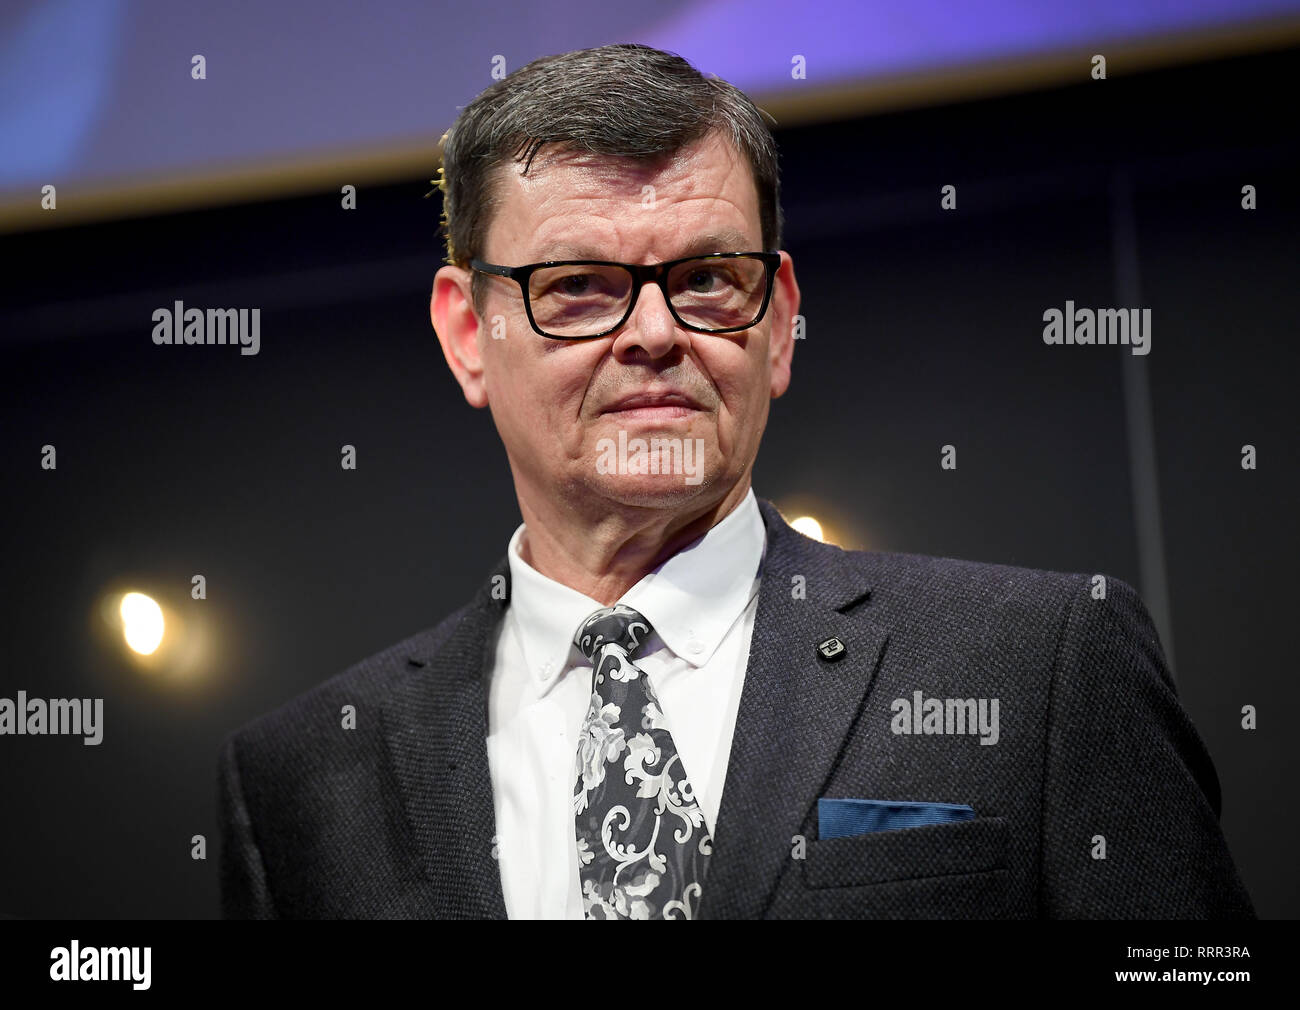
(796, 709)
(436, 726)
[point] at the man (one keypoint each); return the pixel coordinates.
(664, 702)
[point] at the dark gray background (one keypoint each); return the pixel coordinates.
(924, 328)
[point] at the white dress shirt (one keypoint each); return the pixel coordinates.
(701, 604)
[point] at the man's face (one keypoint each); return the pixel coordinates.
(558, 404)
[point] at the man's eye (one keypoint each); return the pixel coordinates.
(703, 280)
(575, 284)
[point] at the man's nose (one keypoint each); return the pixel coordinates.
(651, 327)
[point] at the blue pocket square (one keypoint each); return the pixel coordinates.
(845, 818)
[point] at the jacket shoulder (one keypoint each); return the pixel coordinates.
(905, 581)
(984, 601)
(898, 577)
(982, 604)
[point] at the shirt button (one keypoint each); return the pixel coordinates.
(694, 647)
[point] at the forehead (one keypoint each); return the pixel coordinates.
(579, 205)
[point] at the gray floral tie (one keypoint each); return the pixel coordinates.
(643, 846)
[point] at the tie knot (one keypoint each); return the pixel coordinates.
(617, 625)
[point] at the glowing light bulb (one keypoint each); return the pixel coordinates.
(142, 623)
(809, 527)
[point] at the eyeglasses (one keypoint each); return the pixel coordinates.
(583, 299)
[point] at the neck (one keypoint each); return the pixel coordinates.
(604, 553)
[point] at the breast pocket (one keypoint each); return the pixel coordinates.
(921, 853)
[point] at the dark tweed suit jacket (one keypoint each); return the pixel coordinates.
(395, 818)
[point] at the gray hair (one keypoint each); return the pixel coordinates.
(619, 100)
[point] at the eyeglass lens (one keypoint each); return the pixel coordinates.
(573, 300)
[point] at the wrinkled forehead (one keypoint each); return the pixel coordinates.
(562, 186)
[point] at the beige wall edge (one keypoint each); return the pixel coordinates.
(330, 170)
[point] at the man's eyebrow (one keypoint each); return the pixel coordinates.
(725, 240)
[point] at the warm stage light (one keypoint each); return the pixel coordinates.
(809, 527)
(142, 622)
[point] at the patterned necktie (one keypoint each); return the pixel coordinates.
(643, 845)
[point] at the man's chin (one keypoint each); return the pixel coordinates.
(663, 490)
(653, 468)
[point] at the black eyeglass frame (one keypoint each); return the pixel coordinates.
(641, 273)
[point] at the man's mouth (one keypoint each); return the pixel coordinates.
(654, 405)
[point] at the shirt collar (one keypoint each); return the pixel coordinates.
(691, 600)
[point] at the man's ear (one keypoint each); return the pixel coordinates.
(784, 308)
(452, 311)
